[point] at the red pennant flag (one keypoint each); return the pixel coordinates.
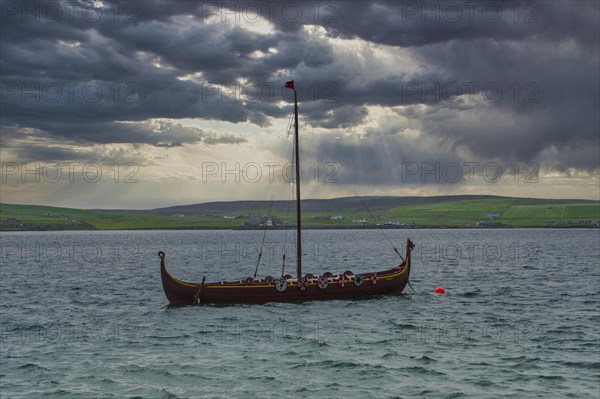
(290, 85)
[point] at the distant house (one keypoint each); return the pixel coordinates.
(229, 217)
(359, 221)
(178, 215)
(492, 215)
(266, 221)
(12, 223)
(549, 223)
(254, 219)
(336, 217)
(397, 223)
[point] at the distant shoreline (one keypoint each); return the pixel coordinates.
(315, 228)
(402, 213)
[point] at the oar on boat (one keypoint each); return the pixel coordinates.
(197, 296)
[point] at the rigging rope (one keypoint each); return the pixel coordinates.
(287, 226)
(290, 125)
(373, 217)
(264, 236)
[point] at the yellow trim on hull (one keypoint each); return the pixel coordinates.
(182, 282)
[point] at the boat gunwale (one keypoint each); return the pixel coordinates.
(382, 275)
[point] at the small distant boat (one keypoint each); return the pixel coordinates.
(287, 288)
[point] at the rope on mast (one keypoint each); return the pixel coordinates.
(287, 226)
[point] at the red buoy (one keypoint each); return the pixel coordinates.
(439, 290)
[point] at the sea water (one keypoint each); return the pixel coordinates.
(84, 315)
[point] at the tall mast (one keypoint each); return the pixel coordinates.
(298, 212)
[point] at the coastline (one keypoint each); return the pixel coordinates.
(442, 212)
(502, 227)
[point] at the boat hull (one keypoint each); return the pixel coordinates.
(388, 282)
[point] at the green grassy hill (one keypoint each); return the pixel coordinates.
(443, 211)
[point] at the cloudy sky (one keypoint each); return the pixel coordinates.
(145, 104)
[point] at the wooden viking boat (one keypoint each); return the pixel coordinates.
(286, 288)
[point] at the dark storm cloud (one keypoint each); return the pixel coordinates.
(420, 23)
(543, 51)
(344, 116)
(549, 97)
(540, 71)
(158, 133)
(75, 79)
